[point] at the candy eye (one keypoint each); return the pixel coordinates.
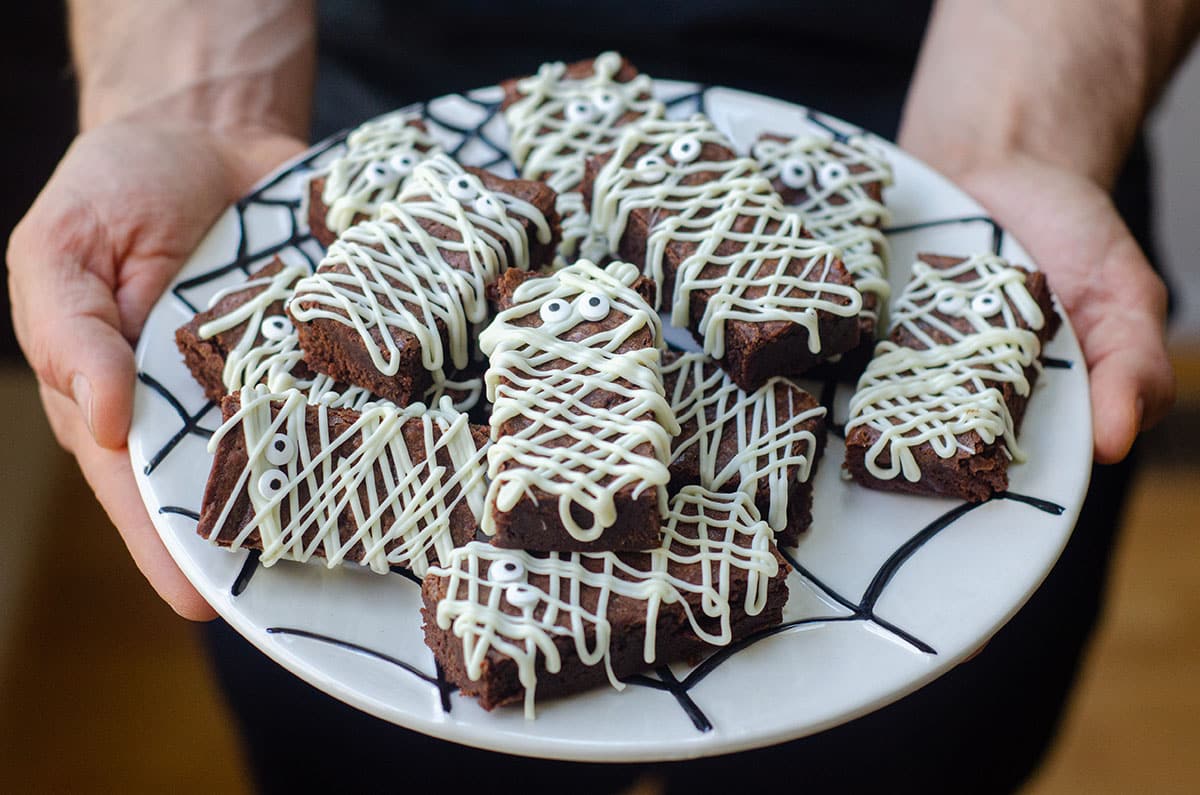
(462, 188)
(685, 150)
(796, 173)
(276, 327)
(489, 207)
(950, 302)
(281, 450)
(506, 570)
(521, 595)
(986, 304)
(403, 163)
(832, 175)
(379, 175)
(650, 168)
(271, 483)
(592, 306)
(606, 101)
(580, 111)
(555, 310)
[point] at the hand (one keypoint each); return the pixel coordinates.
(123, 211)
(1116, 303)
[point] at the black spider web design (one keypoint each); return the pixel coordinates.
(456, 137)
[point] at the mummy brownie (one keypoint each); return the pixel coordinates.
(938, 408)
(506, 625)
(379, 156)
(382, 487)
(733, 264)
(397, 302)
(581, 430)
(563, 114)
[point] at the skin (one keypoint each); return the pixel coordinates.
(216, 94)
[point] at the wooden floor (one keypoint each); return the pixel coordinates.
(102, 688)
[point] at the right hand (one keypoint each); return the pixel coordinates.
(117, 220)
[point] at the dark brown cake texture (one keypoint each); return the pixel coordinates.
(547, 451)
(379, 155)
(715, 550)
(344, 285)
(273, 445)
(838, 187)
(675, 195)
(765, 443)
(960, 316)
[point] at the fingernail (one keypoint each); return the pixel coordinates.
(81, 391)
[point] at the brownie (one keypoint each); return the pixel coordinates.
(414, 281)
(342, 502)
(580, 427)
(765, 443)
(379, 156)
(516, 640)
(761, 295)
(837, 186)
(955, 373)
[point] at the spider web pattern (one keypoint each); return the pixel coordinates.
(470, 130)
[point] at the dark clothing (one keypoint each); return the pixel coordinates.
(981, 728)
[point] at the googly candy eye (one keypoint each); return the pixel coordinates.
(521, 595)
(592, 306)
(488, 207)
(506, 570)
(650, 168)
(276, 327)
(271, 483)
(950, 302)
(796, 173)
(686, 149)
(380, 174)
(555, 310)
(986, 304)
(606, 101)
(579, 111)
(462, 188)
(832, 175)
(281, 450)
(403, 163)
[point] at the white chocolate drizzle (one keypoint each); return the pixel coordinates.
(543, 375)
(560, 121)
(391, 275)
(399, 501)
(517, 603)
(937, 393)
(836, 206)
(380, 155)
(746, 247)
(770, 441)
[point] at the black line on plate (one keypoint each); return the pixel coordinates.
(244, 575)
(180, 511)
(1057, 364)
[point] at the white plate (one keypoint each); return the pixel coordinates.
(890, 591)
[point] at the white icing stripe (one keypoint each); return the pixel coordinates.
(542, 375)
(391, 275)
(516, 603)
(390, 494)
(745, 242)
(768, 443)
(934, 395)
(559, 122)
(275, 361)
(836, 207)
(379, 156)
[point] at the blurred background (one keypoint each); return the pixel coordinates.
(103, 688)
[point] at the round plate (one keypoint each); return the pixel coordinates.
(889, 591)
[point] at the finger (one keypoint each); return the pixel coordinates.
(110, 475)
(68, 322)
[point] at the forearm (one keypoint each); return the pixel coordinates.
(224, 64)
(1067, 82)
